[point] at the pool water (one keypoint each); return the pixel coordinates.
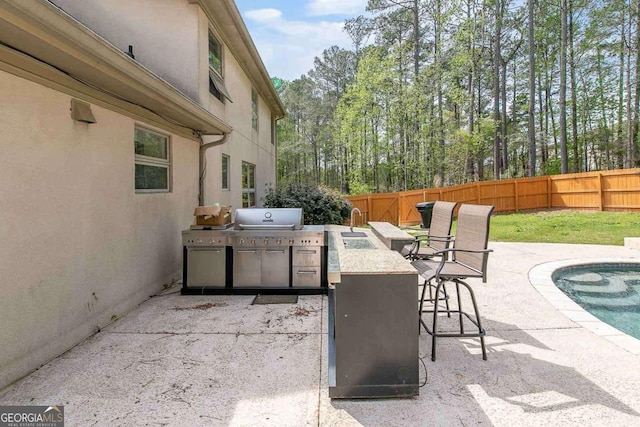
(611, 292)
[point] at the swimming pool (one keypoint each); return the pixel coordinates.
(609, 291)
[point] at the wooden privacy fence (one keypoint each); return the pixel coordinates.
(617, 190)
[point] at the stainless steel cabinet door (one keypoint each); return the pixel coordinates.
(275, 267)
(247, 267)
(206, 267)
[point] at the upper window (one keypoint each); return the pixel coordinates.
(248, 185)
(215, 54)
(216, 83)
(225, 172)
(254, 109)
(152, 161)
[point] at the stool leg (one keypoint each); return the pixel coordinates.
(446, 299)
(479, 322)
(459, 307)
(434, 333)
(422, 295)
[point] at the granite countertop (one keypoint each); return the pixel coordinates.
(389, 230)
(375, 260)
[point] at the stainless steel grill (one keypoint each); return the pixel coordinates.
(272, 248)
(263, 251)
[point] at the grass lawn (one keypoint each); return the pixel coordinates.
(601, 228)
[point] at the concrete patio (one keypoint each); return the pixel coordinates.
(218, 360)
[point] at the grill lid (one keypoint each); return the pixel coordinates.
(269, 219)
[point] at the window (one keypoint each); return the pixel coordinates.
(215, 54)
(152, 161)
(216, 83)
(225, 172)
(248, 185)
(254, 110)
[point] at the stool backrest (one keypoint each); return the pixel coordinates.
(472, 233)
(441, 220)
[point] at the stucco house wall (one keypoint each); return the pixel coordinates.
(79, 246)
(244, 144)
(170, 37)
(162, 33)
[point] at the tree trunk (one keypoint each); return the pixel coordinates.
(564, 164)
(619, 141)
(574, 98)
(532, 93)
(636, 103)
(497, 143)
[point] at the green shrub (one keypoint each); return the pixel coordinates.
(320, 205)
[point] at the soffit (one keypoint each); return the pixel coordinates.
(228, 21)
(42, 31)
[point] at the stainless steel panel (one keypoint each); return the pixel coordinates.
(305, 276)
(206, 267)
(306, 255)
(204, 238)
(247, 267)
(275, 267)
(291, 218)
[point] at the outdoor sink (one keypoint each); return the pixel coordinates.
(353, 234)
(358, 244)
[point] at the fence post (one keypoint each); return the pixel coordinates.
(368, 209)
(600, 193)
(515, 191)
(549, 192)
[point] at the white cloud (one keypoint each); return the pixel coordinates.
(336, 7)
(288, 48)
(264, 15)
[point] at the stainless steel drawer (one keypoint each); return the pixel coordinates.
(305, 276)
(306, 256)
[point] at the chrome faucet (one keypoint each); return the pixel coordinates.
(352, 212)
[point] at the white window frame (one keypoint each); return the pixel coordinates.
(140, 159)
(246, 188)
(216, 77)
(225, 176)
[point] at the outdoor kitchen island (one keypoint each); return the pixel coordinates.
(373, 323)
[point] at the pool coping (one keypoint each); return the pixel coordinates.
(540, 278)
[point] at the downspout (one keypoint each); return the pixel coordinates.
(276, 143)
(202, 165)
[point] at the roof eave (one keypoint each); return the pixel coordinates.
(46, 33)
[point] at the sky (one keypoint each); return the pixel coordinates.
(289, 34)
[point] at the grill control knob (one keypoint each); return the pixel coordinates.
(278, 242)
(242, 241)
(266, 242)
(253, 241)
(199, 241)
